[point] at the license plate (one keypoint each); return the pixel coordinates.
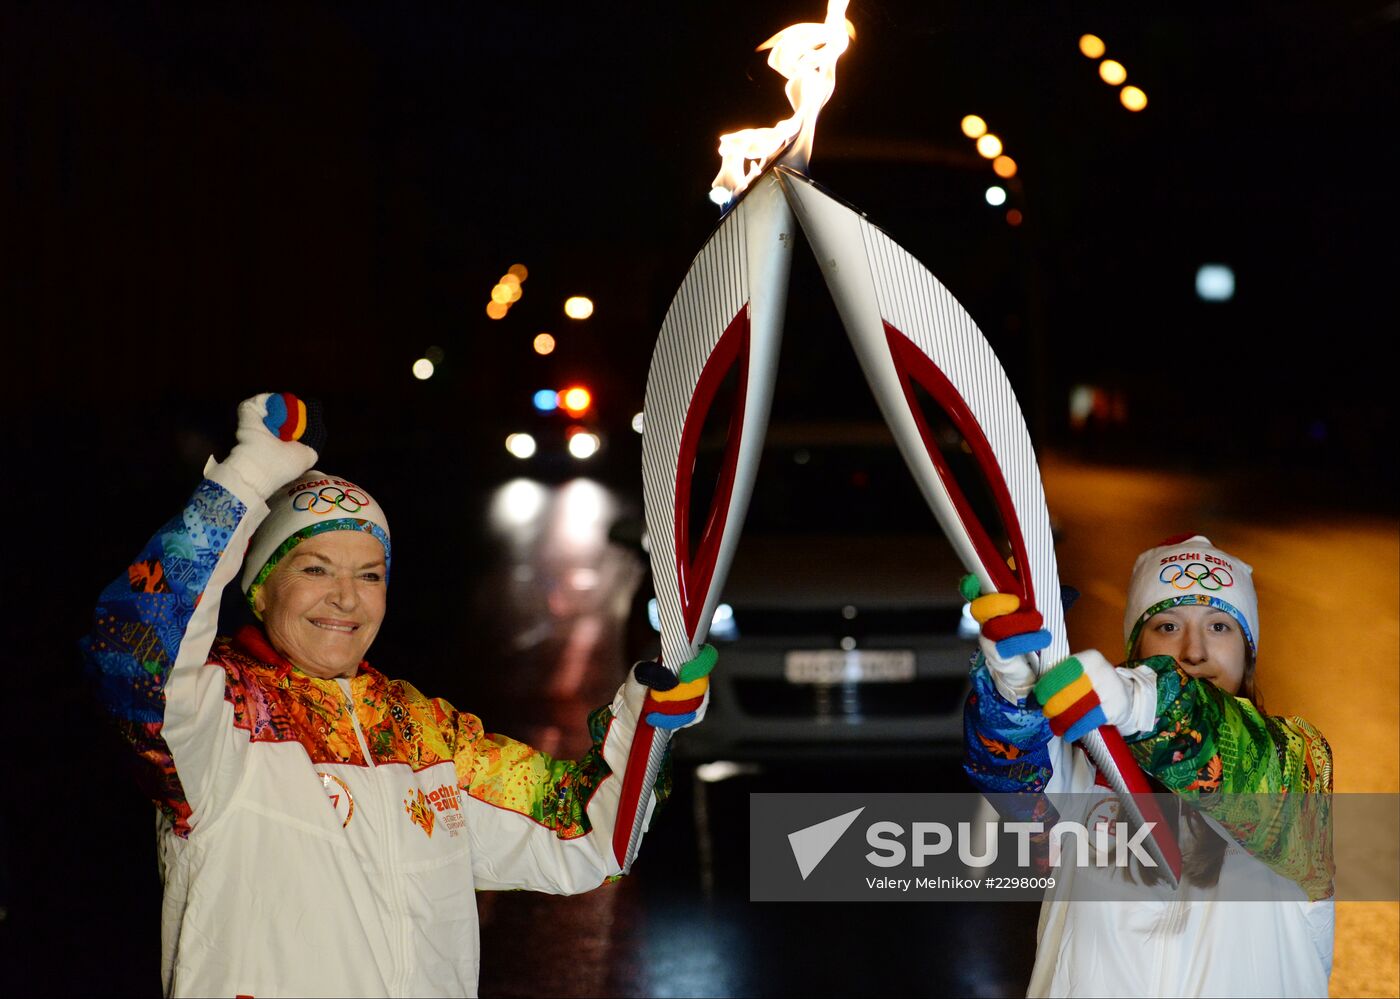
(831, 666)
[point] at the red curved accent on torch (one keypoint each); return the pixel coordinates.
(1143, 795)
(631, 794)
(911, 362)
(694, 575)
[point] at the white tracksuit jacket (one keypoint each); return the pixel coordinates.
(1198, 943)
(325, 837)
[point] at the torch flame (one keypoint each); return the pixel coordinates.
(806, 55)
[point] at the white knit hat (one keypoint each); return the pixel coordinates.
(307, 506)
(1190, 570)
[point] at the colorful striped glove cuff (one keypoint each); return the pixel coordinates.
(291, 418)
(1069, 701)
(970, 587)
(1017, 633)
(674, 701)
(992, 605)
(1030, 641)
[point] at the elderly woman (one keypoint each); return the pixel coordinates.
(322, 827)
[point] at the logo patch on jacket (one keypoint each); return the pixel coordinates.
(424, 809)
(420, 811)
(340, 798)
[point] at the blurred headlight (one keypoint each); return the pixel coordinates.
(584, 445)
(723, 627)
(520, 445)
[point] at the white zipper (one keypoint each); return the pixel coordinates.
(390, 848)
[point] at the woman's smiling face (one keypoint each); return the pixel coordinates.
(324, 603)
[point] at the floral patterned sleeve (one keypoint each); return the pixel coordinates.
(1006, 755)
(1246, 769)
(1206, 740)
(559, 826)
(554, 793)
(1004, 744)
(141, 627)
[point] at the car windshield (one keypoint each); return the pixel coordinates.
(833, 479)
(841, 488)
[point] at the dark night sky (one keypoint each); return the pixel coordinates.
(200, 202)
(203, 201)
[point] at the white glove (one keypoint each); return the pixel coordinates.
(1013, 677)
(1086, 691)
(260, 458)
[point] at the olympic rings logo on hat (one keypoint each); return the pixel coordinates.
(1210, 577)
(328, 499)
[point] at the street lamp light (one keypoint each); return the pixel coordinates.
(1112, 72)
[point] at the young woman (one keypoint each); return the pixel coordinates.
(1188, 706)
